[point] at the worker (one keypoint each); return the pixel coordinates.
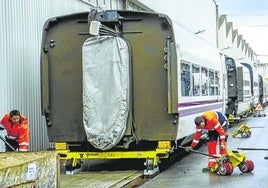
(17, 131)
(224, 123)
(216, 124)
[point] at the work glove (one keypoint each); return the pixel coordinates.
(223, 145)
(188, 148)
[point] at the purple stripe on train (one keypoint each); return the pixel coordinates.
(198, 109)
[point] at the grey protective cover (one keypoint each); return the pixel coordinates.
(105, 90)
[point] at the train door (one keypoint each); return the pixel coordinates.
(231, 86)
(260, 89)
(240, 88)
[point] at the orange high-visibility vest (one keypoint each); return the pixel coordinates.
(212, 123)
(18, 132)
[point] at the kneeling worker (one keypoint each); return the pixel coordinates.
(17, 131)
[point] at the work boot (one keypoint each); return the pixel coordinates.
(212, 152)
(212, 164)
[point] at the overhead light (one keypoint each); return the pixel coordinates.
(200, 31)
(226, 48)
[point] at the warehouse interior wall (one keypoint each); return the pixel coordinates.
(21, 25)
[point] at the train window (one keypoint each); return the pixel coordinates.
(211, 83)
(217, 83)
(246, 83)
(196, 79)
(204, 81)
(185, 79)
(246, 92)
(230, 63)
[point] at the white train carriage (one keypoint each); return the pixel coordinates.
(245, 103)
(263, 90)
(254, 79)
(243, 89)
(202, 79)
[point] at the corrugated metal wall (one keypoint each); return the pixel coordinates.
(21, 32)
(21, 24)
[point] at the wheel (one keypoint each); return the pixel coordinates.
(246, 166)
(150, 164)
(225, 169)
(72, 164)
(69, 165)
(244, 134)
(248, 133)
(231, 169)
(251, 165)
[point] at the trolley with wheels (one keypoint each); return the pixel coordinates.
(226, 163)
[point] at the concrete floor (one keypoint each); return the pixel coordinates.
(188, 171)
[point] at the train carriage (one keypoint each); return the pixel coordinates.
(263, 90)
(202, 79)
(245, 89)
(125, 84)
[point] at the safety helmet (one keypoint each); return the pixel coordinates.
(198, 120)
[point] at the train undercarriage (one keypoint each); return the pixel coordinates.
(73, 159)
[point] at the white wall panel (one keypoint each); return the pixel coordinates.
(195, 15)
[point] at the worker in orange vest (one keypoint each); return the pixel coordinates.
(17, 131)
(214, 122)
